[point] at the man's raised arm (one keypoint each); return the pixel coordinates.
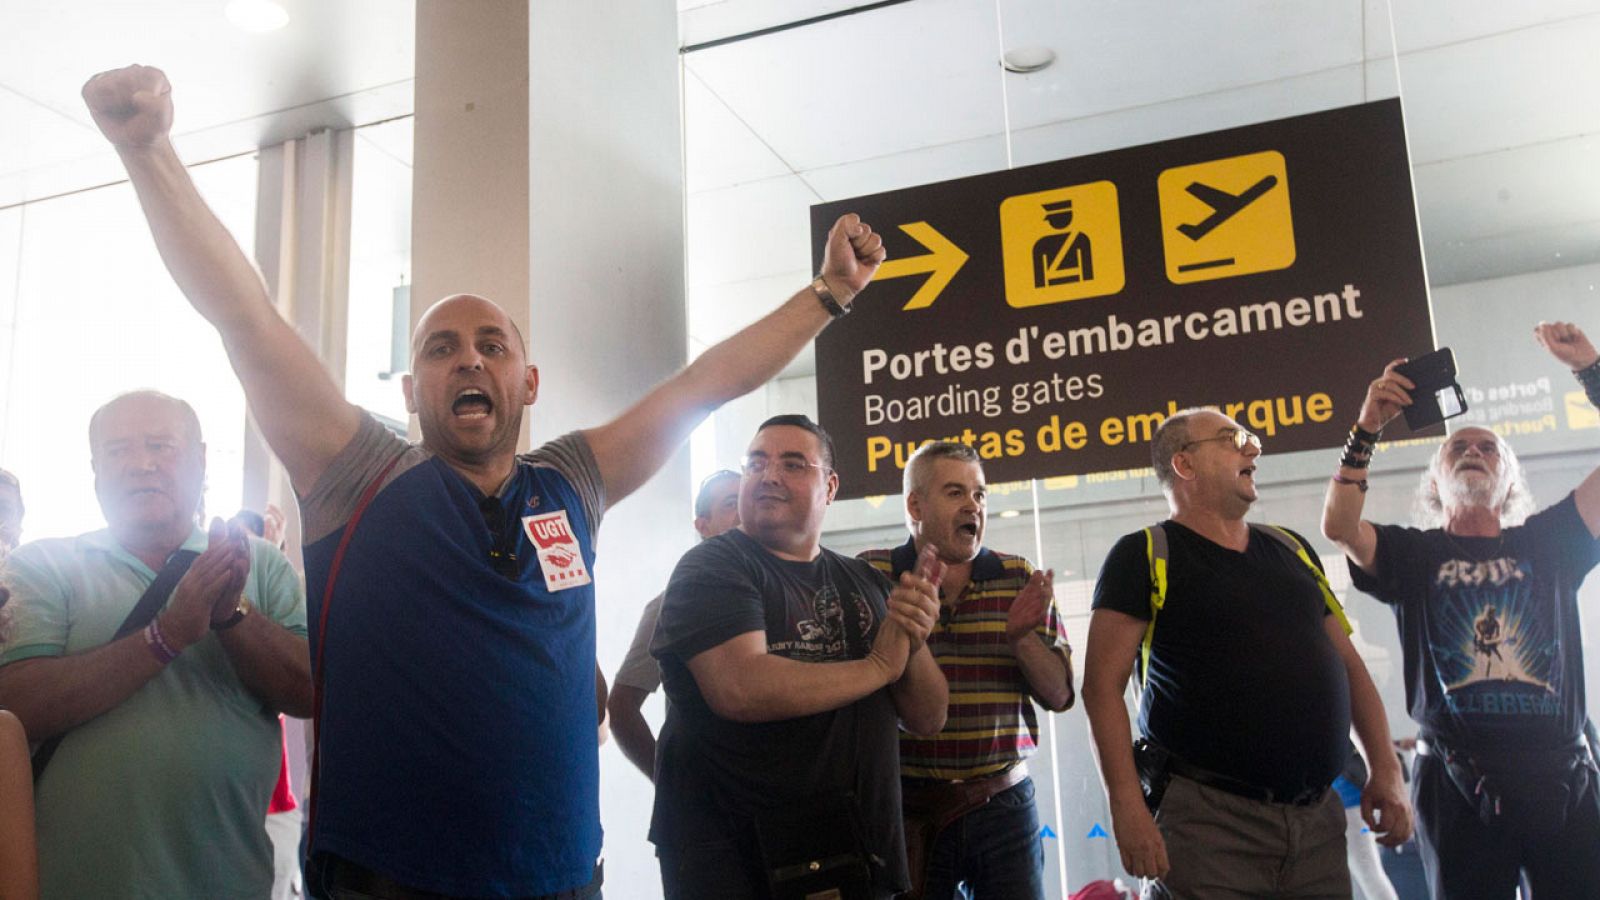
(1568, 344)
(300, 410)
(1341, 507)
(632, 447)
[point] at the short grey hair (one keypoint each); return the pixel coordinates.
(186, 412)
(1168, 442)
(1518, 505)
(916, 474)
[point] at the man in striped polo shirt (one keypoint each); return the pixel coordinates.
(970, 819)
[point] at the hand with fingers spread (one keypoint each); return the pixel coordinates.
(1386, 397)
(1567, 343)
(132, 106)
(1031, 607)
(851, 258)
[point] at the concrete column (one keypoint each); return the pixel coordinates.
(469, 189)
(608, 317)
(549, 177)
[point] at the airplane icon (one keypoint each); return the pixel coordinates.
(1224, 205)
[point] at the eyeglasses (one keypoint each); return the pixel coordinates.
(1238, 436)
(788, 466)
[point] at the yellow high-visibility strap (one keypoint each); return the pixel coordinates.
(1316, 572)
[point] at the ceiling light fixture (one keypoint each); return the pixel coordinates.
(257, 16)
(1027, 59)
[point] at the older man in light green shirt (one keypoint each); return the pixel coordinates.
(170, 746)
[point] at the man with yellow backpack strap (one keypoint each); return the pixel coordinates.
(1250, 688)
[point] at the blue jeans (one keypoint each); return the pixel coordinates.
(991, 853)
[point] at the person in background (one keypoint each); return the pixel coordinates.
(716, 509)
(284, 818)
(11, 510)
(19, 860)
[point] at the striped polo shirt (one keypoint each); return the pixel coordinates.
(992, 724)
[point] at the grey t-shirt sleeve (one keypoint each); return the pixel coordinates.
(331, 501)
(570, 455)
(639, 669)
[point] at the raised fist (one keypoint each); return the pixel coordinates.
(132, 106)
(1567, 343)
(851, 257)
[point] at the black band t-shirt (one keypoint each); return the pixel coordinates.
(714, 775)
(1489, 628)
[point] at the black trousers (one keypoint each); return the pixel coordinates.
(1468, 860)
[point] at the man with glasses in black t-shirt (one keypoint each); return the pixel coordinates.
(789, 669)
(1250, 688)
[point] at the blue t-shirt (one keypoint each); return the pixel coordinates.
(458, 749)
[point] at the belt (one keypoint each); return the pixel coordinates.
(1433, 747)
(942, 793)
(1307, 797)
(342, 873)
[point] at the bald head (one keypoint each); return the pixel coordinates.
(483, 316)
(146, 400)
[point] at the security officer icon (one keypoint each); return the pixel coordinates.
(1062, 244)
(1065, 256)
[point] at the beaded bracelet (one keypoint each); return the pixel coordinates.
(157, 642)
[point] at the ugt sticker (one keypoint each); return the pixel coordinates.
(560, 555)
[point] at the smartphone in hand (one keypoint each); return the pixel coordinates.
(1437, 396)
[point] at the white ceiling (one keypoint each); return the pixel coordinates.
(1502, 103)
(336, 64)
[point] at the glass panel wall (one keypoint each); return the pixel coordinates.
(88, 311)
(380, 268)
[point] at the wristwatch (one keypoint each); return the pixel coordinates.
(239, 612)
(826, 298)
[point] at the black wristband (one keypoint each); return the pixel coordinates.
(1354, 462)
(1589, 377)
(1368, 437)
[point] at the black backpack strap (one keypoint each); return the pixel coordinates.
(150, 602)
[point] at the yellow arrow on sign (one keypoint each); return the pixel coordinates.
(943, 262)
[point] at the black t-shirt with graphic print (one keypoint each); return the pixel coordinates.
(1489, 628)
(712, 774)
